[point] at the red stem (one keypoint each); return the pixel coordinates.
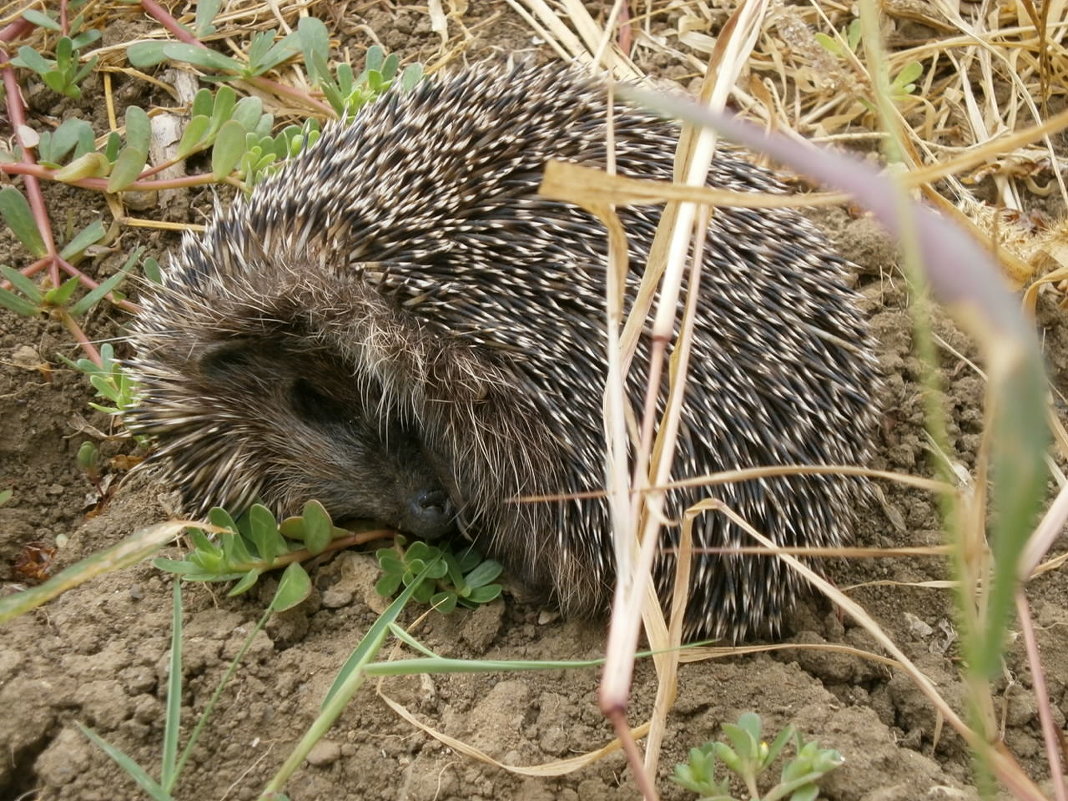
(33, 188)
(1042, 698)
(101, 184)
(79, 335)
(15, 30)
(164, 18)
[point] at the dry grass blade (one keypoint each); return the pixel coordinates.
(558, 768)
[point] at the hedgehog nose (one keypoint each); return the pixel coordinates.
(430, 514)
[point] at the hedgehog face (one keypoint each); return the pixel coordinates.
(284, 422)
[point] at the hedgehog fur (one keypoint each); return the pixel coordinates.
(398, 325)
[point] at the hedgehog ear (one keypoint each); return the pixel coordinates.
(226, 359)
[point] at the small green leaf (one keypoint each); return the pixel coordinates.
(23, 284)
(13, 302)
(374, 59)
(57, 82)
(206, 12)
(228, 149)
(93, 297)
(247, 582)
(55, 145)
(443, 602)
(85, 38)
(281, 51)
(203, 104)
(201, 57)
(292, 528)
(853, 33)
(64, 51)
(315, 44)
(138, 129)
(32, 60)
(247, 112)
(40, 19)
(264, 533)
(127, 169)
(750, 723)
(62, 293)
(318, 529)
(201, 542)
(903, 81)
(235, 551)
(89, 165)
(483, 595)
(219, 517)
(90, 235)
(828, 43)
(485, 573)
(16, 212)
(410, 77)
(223, 107)
(194, 136)
(179, 567)
(150, 267)
(388, 584)
(293, 588)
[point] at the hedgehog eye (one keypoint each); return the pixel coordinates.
(313, 406)
(226, 361)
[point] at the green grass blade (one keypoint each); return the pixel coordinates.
(135, 548)
(136, 772)
(173, 721)
(203, 721)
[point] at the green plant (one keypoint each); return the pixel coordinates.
(63, 73)
(293, 587)
(27, 298)
(109, 379)
(344, 90)
(748, 756)
(255, 543)
(464, 578)
(901, 84)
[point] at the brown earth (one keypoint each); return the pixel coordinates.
(98, 654)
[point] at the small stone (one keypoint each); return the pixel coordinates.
(919, 629)
(27, 358)
(66, 758)
(324, 752)
(335, 598)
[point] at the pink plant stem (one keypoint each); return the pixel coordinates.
(15, 30)
(17, 116)
(1038, 685)
(79, 335)
(101, 184)
(164, 18)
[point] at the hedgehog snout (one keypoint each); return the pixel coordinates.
(430, 514)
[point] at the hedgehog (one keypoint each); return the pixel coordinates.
(398, 325)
